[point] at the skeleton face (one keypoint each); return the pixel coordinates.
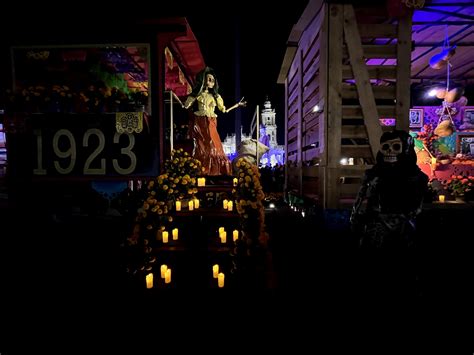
(391, 149)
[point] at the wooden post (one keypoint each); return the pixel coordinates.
(404, 71)
(334, 103)
(361, 76)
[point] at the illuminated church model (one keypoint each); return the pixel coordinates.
(268, 136)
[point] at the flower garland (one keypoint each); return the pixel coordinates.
(178, 182)
(249, 251)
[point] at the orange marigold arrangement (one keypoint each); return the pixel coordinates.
(459, 185)
(177, 183)
(250, 250)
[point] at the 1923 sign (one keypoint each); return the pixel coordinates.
(86, 145)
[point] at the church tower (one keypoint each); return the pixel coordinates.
(268, 122)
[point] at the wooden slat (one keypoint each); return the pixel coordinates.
(311, 56)
(354, 132)
(383, 30)
(349, 189)
(310, 90)
(377, 51)
(311, 74)
(356, 151)
(353, 170)
(313, 171)
(312, 120)
(377, 92)
(291, 135)
(293, 147)
(355, 111)
(310, 154)
(403, 72)
(375, 72)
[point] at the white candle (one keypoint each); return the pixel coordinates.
(230, 206)
(223, 236)
(202, 181)
(235, 181)
(163, 269)
(168, 276)
(235, 235)
(220, 279)
(225, 204)
(196, 203)
(441, 198)
(149, 280)
(175, 234)
(191, 205)
(215, 270)
(178, 205)
(165, 236)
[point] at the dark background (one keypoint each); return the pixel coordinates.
(261, 33)
(243, 41)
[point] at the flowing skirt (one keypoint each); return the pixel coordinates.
(208, 146)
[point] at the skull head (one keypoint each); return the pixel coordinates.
(391, 149)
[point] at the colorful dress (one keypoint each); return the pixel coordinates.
(203, 130)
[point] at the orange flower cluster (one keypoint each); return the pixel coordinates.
(459, 185)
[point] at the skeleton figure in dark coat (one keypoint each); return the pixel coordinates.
(391, 195)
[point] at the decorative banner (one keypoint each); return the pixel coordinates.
(129, 122)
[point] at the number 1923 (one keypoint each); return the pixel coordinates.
(64, 147)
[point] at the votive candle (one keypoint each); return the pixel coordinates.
(223, 236)
(202, 181)
(235, 235)
(178, 205)
(230, 206)
(191, 205)
(441, 198)
(220, 279)
(168, 276)
(165, 236)
(175, 234)
(215, 270)
(149, 280)
(163, 269)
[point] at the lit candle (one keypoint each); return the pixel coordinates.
(221, 229)
(175, 234)
(235, 181)
(215, 270)
(223, 236)
(196, 203)
(230, 206)
(220, 279)
(191, 205)
(163, 269)
(149, 280)
(178, 205)
(441, 198)
(225, 204)
(235, 235)
(433, 160)
(202, 181)
(168, 276)
(165, 236)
